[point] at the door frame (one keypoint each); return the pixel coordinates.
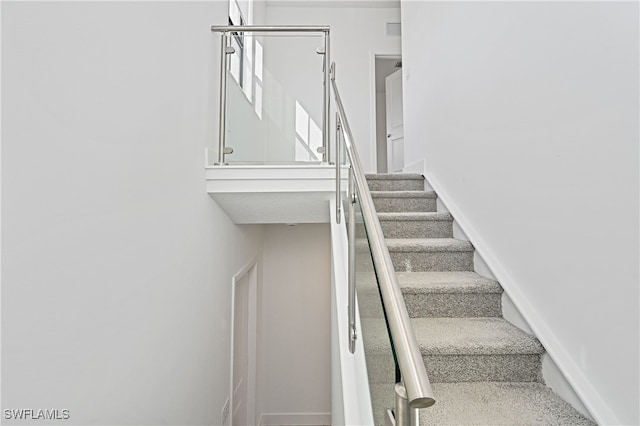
(250, 271)
(372, 99)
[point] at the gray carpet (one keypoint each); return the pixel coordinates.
(484, 370)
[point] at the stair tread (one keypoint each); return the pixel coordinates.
(427, 245)
(403, 194)
(499, 403)
(394, 176)
(414, 216)
(457, 336)
(473, 336)
(446, 282)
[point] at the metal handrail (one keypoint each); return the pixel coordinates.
(225, 50)
(412, 369)
(267, 28)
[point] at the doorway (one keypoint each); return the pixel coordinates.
(389, 115)
(243, 347)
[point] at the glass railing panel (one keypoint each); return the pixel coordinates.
(379, 353)
(275, 105)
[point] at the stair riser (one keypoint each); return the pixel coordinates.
(432, 261)
(483, 368)
(418, 204)
(417, 228)
(429, 305)
(463, 368)
(454, 305)
(396, 184)
(412, 229)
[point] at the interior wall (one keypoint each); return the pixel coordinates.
(117, 265)
(356, 34)
(526, 117)
(294, 365)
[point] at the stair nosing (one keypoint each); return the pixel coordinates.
(403, 194)
(458, 282)
(394, 176)
(428, 245)
(405, 216)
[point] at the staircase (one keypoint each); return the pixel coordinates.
(484, 370)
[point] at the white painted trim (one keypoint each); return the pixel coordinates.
(554, 378)
(579, 383)
(294, 419)
(251, 271)
(274, 194)
(372, 111)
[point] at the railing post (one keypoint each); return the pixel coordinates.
(403, 414)
(352, 262)
(338, 161)
(222, 113)
(326, 154)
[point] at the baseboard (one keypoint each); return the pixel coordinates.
(575, 385)
(295, 419)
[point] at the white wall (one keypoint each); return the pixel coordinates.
(526, 116)
(117, 265)
(294, 349)
(356, 34)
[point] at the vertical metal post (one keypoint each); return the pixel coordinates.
(414, 417)
(401, 412)
(223, 98)
(326, 155)
(352, 262)
(338, 178)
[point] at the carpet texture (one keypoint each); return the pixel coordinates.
(484, 370)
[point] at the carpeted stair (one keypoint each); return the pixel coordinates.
(484, 370)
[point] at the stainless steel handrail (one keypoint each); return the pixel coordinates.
(224, 29)
(412, 369)
(271, 28)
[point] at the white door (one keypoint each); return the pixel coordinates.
(244, 341)
(395, 123)
(240, 352)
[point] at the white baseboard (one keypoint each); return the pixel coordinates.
(559, 369)
(295, 419)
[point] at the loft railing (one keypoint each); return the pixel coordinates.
(227, 33)
(391, 349)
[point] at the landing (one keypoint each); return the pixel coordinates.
(274, 193)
